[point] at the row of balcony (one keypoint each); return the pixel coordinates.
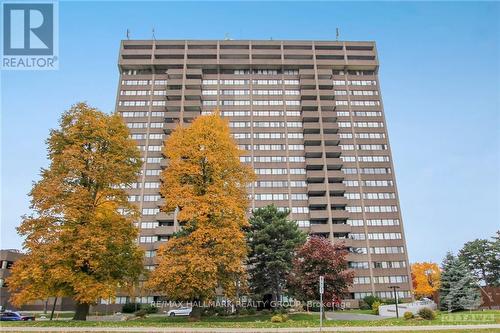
(132, 62)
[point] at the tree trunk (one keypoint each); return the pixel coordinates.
(53, 308)
(196, 312)
(81, 311)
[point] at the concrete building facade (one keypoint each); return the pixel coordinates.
(310, 116)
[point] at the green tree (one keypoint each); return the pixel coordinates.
(81, 242)
(479, 256)
(459, 289)
(272, 240)
(206, 182)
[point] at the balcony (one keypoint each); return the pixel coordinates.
(174, 94)
(312, 139)
(311, 127)
(189, 116)
(192, 105)
(173, 105)
(306, 73)
(164, 163)
(327, 105)
(342, 228)
(165, 230)
(330, 127)
(308, 84)
(309, 105)
(316, 189)
(336, 188)
(335, 175)
(162, 216)
(340, 214)
(320, 228)
(315, 163)
(338, 201)
(310, 116)
(315, 176)
(331, 139)
(169, 127)
(313, 151)
(332, 151)
(318, 202)
(192, 94)
(308, 93)
(334, 163)
(194, 73)
(175, 82)
(192, 83)
(320, 215)
(175, 73)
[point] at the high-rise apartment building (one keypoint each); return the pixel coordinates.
(310, 116)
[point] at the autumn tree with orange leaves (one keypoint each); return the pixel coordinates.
(425, 278)
(206, 182)
(80, 240)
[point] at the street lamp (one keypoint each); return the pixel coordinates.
(396, 298)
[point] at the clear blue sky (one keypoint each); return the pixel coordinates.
(439, 77)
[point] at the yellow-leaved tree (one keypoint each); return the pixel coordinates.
(80, 240)
(206, 182)
(425, 278)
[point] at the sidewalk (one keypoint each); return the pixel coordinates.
(249, 330)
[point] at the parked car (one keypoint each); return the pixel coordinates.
(15, 316)
(184, 311)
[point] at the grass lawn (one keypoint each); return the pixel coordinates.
(260, 321)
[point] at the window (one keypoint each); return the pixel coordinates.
(377, 183)
(148, 239)
(299, 196)
(363, 83)
(357, 236)
(365, 103)
(303, 224)
(384, 235)
(364, 92)
(379, 196)
(381, 209)
(355, 223)
(370, 135)
(209, 82)
(136, 82)
(150, 211)
(153, 160)
(152, 185)
(271, 171)
(373, 158)
(361, 280)
(368, 124)
(295, 147)
(149, 225)
(133, 103)
(358, 264)
(154, 148)
(152, 197)
(271, 196)
(300, 210)
(387, 250)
